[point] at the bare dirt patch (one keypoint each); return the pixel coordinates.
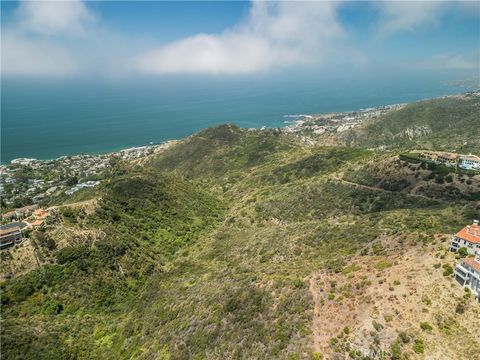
(374, 299)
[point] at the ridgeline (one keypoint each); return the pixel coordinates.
(250, 244)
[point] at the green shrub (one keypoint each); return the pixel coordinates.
(448, 270)
(404, 337)
(425, 326)
(418, 346)
(395, 350)
(383, 264)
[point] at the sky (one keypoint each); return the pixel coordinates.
(122, 39)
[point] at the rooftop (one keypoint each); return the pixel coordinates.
(473, 263)
(37, 222)
(470, 157)
(442, 154)
(20, 224)
(9, 230)
(468, 233)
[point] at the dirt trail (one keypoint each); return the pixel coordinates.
(91, 203)
(373, 188)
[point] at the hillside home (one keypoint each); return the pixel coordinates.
(19, 213)
(469, 162)
(40, 216)
(467, 273)
(9, 215)
(439, 157)
(10, 234)
(468, 237)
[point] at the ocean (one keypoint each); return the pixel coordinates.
(47, 119)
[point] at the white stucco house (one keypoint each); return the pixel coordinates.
(470, 162)
(468, 237)
(467, 274)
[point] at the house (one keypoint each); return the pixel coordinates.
(10, 234)
(469, 162)
(19, 213)
(40, 216)
(23, 161)
(439, 157)
(467, 274)
(9, 215)
(37, 198)
(468, 237)
(26, 210)
(36, 223)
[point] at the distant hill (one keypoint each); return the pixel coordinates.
(450, 123)
(250, 244)
(225, 150)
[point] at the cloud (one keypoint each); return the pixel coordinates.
(449, 62)
(397, 16)
(52, 18)
(273, 35)
(37, 44)
(407, 15)
(27, 57)
(65, 38)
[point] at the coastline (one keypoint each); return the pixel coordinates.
(111, 152)
(288, 121)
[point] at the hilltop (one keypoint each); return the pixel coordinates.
(254, 244)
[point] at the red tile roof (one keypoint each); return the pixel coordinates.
(472, 263)
(26, 208)
(470, 235)
(37, 222)
(9, 214)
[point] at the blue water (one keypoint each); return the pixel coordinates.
(47, 119)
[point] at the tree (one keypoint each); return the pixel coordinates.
(71, 181)
(463, 251)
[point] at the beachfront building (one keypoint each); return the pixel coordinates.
(468, 237)
(467, 274)
(10, 234)
(469, 162)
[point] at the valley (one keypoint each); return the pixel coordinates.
(242, 244)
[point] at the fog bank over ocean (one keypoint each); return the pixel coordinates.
(47, 119)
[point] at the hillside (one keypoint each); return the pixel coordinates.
(240, 244)
(403, 175)
(450, 123)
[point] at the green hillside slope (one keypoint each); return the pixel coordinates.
(238, 244)
(451, 123)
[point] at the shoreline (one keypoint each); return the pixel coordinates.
(289, 121)
(112, 152)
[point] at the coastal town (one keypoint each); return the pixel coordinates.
(29, 187)
(319, 124)
(338, 122)
(27, 181)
